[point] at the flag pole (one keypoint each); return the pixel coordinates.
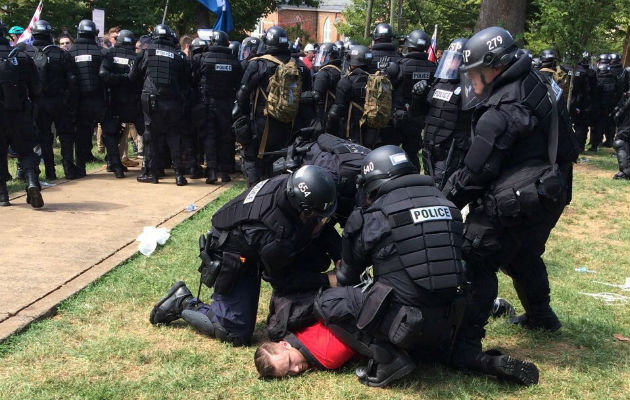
(165, 11)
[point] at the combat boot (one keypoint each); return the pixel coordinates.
(621, 175)
(180, 180)
(147, 177)
(170, 307)
(51, 174)
(547, 321)
(33, 190)
(387, 365)
(69, 170)
(211, 176)
(509, 369)
(119, 171)
(195, 172)
(4, 195)
(225, 177)
(502, 308)
(80, 170)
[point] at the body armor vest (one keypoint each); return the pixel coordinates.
(53, 77)
(426, 230)
(325, 83)
(14, 77)
(121, 59)
(219, 74)
(580, 86)
(87, 56)
(380, 50)
(163, 69)
(607, 87)
(445, 117)
(415, 67)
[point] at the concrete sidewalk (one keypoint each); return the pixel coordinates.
(85, 229)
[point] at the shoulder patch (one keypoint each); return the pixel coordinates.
(83, 58)
(163, 53)
(252, 193)
(442, 94)
(434, 213)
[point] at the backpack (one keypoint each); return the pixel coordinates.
(377, 110)
(284, 91)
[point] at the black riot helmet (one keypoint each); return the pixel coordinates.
(359, 56)
(163, 31)
(220, 38)
(604, 59)
(87, 29)
(311, 189)
(42, 29)
(198, 45)
(603, 68)
(249, 48)
(327, 52)
(417, 40)
(451, 60)
(586, 58)
(548, 58)
(536, 63)
(526, 52)
(490, 47)
(126, 38)
(234, 47)
(341, 45)
(275, 39)
(615, 59)
(381, 165)
(383, 33)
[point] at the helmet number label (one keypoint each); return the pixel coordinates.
(367, 168)
(466, 54)
(494, 42)
(303, 188)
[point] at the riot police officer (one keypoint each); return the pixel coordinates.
(91, 102)
(411, 69)
(605, 101)
(549, 66)
(516, 181)
(123, 97)
(262, 126)
(584, 85)
(447, 130)
(197, 116)
(382, 46)
(328, 62)
(57, 104)
(218, 79)
(248, 50)
(19, 89)
(162, 71)
(622, 138)
(350, 99)
(411, 236)
(262, 231)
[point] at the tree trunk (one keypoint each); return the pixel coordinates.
(368, 19)
(509, 14)
(203, 17)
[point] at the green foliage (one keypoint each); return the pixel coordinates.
(296, 31)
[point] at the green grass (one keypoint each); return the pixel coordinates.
(100, 344)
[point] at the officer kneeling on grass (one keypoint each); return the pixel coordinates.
(279, 229)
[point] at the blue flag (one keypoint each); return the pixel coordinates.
(222, 10)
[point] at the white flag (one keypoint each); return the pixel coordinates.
(27, 36)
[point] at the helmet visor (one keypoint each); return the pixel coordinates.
(322, 57)
(448, 68)
(244, 53)
(469, 98)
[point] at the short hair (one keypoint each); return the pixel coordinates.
(262, 359)
(114, 29)
(185, 41)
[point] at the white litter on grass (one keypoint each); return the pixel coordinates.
(150, 238)
(625, 287)
(46, 184)
(609, 298)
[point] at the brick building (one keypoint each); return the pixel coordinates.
(318, 23)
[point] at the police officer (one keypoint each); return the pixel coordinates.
(197, 115)
(411, 69)
(584, 85)
(509, 153)
(123, 97)
(447, 130)
(162, 71)
(256, 128)
(622, 138)
(350, 99)
(235, 47)
(218, 79)
(411, 236)
(263, 231)
(605, 101)
(382, 46)
(91, 102)
(19, 89)
(58, 78)
(328, 62)
(248, 50)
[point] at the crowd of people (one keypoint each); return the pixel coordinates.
(319, 134)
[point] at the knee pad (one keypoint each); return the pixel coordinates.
(618, 144)
(202, 323)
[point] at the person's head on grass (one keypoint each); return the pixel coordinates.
(279, 359)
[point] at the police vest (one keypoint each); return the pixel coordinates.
(219, 74)
(164, 65)
(121, 59)
(87, 56)
(426, 230)
(380, 50)
(53, 71)
(325, 83)
(14, 78)
(445, 115)
(412, 71)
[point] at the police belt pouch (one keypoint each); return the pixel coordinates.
(229, 273)
(374, 307)
(404, 327)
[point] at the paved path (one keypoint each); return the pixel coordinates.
(85, 229)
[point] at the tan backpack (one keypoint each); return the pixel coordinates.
(377, 110)
(284, 91)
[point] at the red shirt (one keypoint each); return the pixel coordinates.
(324, 346)
(307, 62)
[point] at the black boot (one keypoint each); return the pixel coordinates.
(170, 307)
(33, 190)
(119, 171)
(195, 172)
(509, 369)
(621, 175)
(547, 321)
(225, 177)
(80, 169)
(211, 176)
(180, 179)
(4, 194)
(502, 308)
(51, 174)
(70, 170)
(386, 365)
(147, 177)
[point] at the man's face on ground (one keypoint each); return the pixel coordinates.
(287, 361)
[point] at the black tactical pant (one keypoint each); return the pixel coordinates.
(275, 136)
(437, 164)
(162, 124)
(411, 138)
(90, 112)
(602, 127)
(17, 130)
(622, 144)
(50, 110)
(580, 125)
(118, 114)
(217, 136)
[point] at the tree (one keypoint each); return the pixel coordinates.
(510, 15)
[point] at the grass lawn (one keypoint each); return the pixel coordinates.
(100, 345)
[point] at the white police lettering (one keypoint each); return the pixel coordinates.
(494, 42)
(382, 29)
(163, 53)
(466, 54)
(398, 158)
(369, 167)
(87, 28)
(223, 67)
(557, 90)
(435, 213)
(121, 60)
(83, 58)
(252, 193)
(282, 40)
(354, 52)
(421, 76)
(161, 31)
(304, 189)
(127, 40)
(441, 94)
(421, 42)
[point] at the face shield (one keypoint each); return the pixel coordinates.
(244, 52)
(467, 82)
(448, 68)
(322, 57)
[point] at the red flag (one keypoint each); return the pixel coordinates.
(433, 47)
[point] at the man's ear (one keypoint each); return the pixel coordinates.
(285, 344)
